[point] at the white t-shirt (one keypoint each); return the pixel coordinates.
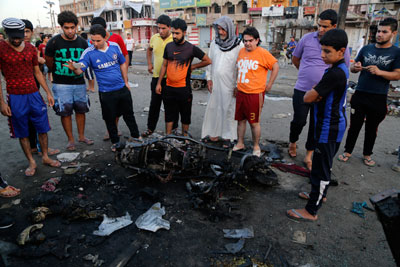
(129, 44)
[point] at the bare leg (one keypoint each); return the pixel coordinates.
(91, 85)
(26, 147)
(168, 127)
(80, 123)
(185, 129)
(256, 133)
(66, 122)
(241, 130)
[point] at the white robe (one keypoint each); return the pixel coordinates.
(219, 119)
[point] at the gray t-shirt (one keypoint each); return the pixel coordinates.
(387, 59)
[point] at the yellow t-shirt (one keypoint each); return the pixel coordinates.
(158, 45)
(253, 69)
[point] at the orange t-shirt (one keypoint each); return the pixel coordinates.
(253, 69)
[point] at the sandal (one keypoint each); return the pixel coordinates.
(147, 133)
(369, 162)
(236, 148)
(87, 141)
(306, 196)
(295, 215)
(71, 146)
(257, 153)
(343, 157)
(9, 191)
(53, 163)
(51, 152)
(30, 171)
(106, 137)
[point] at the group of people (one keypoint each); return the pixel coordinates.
(237, 71)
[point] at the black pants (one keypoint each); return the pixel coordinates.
(130, 57)
(115, 104)
(321, 174)
(155, 105)
(372, 109)
(3, 183)
(300, 113)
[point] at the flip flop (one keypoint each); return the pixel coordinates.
(9, 191)
(106, 137)
(53, 163)
(29, 172)
(299, 217)
(369, 162)
(306, 196)
(343, 157)
(71, 146)
(257, 153)
(87, 141)
(235, 148)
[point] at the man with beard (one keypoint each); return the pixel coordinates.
(379, 64)
(177, 64)
(307, 59)
(219, 119)
(69, 89)
(157, 45)
(19, 65)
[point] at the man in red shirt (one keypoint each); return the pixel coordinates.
(19, 65)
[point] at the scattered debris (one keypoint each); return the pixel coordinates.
(202, 103)
(358, 208)
(235, 247)
(280, 115)
(94, 259)
(299, 237)
(39, 214)
(50, 185)
(110, 225)
(24, 236)
(292, 168)
(152, 219)
(87, 153)
(133, 85)
(68, 157)
(239, 233)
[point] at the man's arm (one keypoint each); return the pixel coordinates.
(296, 62)
(124, 72)
(126, 65)
(162, 74)
(205, 61)
(388, 75)
(39, 77)
(149, 55)
(356, 67)
(311, 96)
(49, 62)
(4, 107)
(70, 66)
(274, 74)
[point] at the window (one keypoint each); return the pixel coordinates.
(231, 8)
(244, 7)
(217, 8)
(202, 10)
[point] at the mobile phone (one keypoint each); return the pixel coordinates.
(78, 65)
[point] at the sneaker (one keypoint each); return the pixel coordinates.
(396, 167)
(5, 221)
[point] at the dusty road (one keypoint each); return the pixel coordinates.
(339, 238)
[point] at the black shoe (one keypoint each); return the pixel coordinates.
(6, 221)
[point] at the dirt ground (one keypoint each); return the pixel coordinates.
(195, 238)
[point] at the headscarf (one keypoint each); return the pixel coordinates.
(232, 40)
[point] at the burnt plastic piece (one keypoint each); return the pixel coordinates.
(387, 207)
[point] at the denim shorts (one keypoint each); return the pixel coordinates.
(70, 97)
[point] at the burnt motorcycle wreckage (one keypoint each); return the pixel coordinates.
(210, 170)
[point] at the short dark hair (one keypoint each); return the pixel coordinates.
(164, 19)
(67, 17)
(179, 24)
(84, 35)
(337, 38)
(329, 14)
(98, 29)
(100, 21)
(389, 22)
(28, 24)
(252, 32)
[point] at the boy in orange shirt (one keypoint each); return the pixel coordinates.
(253, 65)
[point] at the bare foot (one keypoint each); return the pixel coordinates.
(301, 215)
(31, 170)
(292, 150)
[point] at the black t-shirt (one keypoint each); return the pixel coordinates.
(180, 57)
(62, 51)
(38, 42)
(387, 59)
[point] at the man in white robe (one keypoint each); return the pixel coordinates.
(219, 121)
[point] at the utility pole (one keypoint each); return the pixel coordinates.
(344, 4)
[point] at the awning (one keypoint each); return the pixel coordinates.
(106, 7)
(136, 6)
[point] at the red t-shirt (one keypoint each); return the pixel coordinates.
(116, 38)
(17, 68)
(42, 48)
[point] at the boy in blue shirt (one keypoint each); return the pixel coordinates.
(329, 97)
(108, 63)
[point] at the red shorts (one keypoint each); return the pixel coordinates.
(249, 106)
